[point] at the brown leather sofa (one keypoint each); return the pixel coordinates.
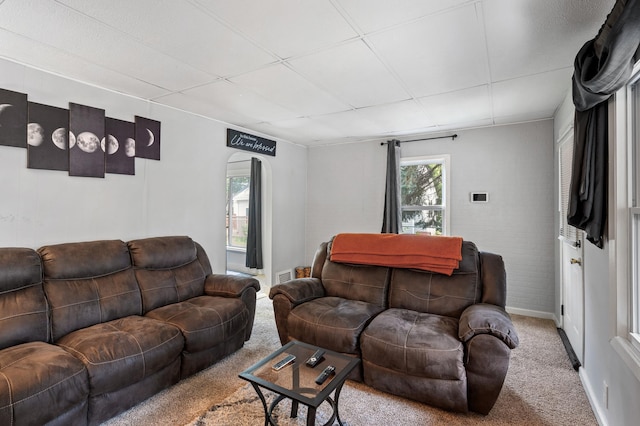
(442, 340)
(90, 329)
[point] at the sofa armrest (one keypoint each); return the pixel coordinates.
(287, 296)
(234, 286)
(229, 285)
(299, 290)
(483, 318)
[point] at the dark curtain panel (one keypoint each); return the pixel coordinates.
(392, 219)
(254, 234)
(602, 66)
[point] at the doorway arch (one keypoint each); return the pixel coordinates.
(238, 164)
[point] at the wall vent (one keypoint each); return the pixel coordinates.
(284, 276)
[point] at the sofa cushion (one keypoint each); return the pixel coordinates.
(332, 322)
(121, 352)
(56, 383)
(356, 282)
(167, 269)
(205, 321)
(435, 293)
(24, 314)
(88, 283)
(414, 343)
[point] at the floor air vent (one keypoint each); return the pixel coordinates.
(284, 276)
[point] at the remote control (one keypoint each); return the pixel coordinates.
(315, 358)
(282, 363)
(325, 374)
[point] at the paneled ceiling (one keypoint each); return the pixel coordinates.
(316, 71)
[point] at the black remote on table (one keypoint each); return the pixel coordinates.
(325, 374)
(315, 358)
(285, 361)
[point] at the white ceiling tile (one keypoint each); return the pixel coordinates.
(99, 44)
(530, 36)
(182, 31)
(350, 123)
(36, 54)
(399, 116)
(301, 129)
(285, 27)
(437, 54)
(372, 15)
(457, 107)
(279, 84)
(236, 98)
(352, 73)
(532, 97)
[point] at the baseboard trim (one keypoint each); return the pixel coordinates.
(593, 400)
(532, 313)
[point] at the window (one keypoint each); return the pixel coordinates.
(634, 209)
(237, 211)
(423, 182)
(624, 213)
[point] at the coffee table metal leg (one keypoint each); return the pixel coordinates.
(294, 409)
(336, 396)
(267, 415)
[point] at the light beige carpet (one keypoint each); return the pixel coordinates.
(541, 388)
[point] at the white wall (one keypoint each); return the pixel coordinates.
(513, 163)
(183, 194)
(602, 363)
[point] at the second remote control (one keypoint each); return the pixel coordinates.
(325, 374)
(315, 358)
(285, 361)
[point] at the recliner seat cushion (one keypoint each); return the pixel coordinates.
(40, 382)
(121, 352)
(332, 322)
(205, 321)
(416, 344)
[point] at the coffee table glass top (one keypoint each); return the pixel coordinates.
(297, 380)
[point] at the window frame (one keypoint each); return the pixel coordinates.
(624, 273)
(445, 160)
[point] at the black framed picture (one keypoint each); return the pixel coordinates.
(13, 118)
(147, 138)
(47, 137)
(86, 130)
(120, 146)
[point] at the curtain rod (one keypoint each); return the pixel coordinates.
(455, 135)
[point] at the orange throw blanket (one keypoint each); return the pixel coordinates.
(430, 253)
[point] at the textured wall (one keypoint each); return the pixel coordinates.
(513, 163)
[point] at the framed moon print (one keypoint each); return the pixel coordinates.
(119, 146)
(86, 130)
(47, 137)
(13, 118)
(147, 138)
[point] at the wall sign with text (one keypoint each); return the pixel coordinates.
(251, 143)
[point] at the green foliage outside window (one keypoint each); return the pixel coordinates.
(422, 197)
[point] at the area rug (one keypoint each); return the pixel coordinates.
(541, 388)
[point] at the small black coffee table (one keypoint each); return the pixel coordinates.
(297, 381)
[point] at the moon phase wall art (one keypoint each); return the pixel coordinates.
(13, 118)
(86, 130)
(47, 137)
(120, 146)
(147, 138)
(80, 140)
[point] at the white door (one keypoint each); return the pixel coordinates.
(573, 297)
(571, 257)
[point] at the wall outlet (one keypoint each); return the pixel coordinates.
(605, 395)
